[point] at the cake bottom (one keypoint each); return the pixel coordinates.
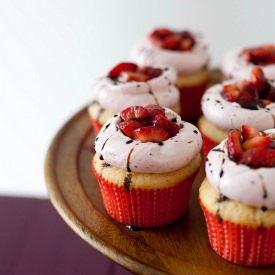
(145, 200)
(240, 234)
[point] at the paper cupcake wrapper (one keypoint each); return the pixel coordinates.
(190, 101)
(239, 244)
(207, 145)
(97, 126)
(145, 208)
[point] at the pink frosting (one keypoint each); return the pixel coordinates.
(185, 62)
(116, 96)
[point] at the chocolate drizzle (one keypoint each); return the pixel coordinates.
(128, 160)
(127, 182)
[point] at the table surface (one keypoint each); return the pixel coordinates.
(181, 248)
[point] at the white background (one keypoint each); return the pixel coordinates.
(51, 51)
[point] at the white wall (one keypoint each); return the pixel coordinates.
(50, 52)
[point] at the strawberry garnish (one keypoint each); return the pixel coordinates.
(234, 144)
(147, 123)
(128, 126)
(150, 133)
(125, 66)
(253, 94)
(172, 40)
(127, 71)
(261, 56)
(134, 112)
(170, 127)
(251, 147)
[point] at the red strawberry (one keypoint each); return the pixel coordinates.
(249, 98)
(154, 110)
(153, 72)
(126, 76)
(249, 132)
(258, 157)
(128, 126)
(257, 79)
(231, 95)
(171, 42)
(150, 133)
(186, 44)
(258, 141)
(124, 66)
(234, 145)
(134, 112)
(170, 127)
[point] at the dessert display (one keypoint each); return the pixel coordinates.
(128, 84)
(238, 197)
(238, 63)
(145, 163)
(235, 103)
(187, 52)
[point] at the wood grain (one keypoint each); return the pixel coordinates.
(181, 248)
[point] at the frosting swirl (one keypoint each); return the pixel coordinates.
(145, 53)
(251, 186)
(235, 66)
(148, 157)
(116, 96)
(228, 115)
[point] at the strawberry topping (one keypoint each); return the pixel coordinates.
(251, 147)
(172, 40)
(253, 94)
(260, 56)
(126, 72)
(147, 123)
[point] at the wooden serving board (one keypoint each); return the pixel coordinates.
(181, 248)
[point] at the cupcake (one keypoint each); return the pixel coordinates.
(231, 104)
(127, 84)
(238, 197)
(238, 63)
(187, 52)
(145, 163)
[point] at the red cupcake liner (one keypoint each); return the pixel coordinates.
(207, 144)
(97, 126)
(239, 244)
(190, 101)
(145, 208)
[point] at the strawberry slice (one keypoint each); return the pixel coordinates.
(134, 112)
(150, 134)
(249, 98)
(234, 145)
(258, 157)
(258, 141)
(150, 72)
(126, 76)
(154, 110)
(128, 126)
(124, 66)
(171, 42)
(249, 132)
(170, 127)
(229, 94)
(257, 79)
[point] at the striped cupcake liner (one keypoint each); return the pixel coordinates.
(190, 101)
(145, 208)
(239, 244)
(97, 126)
(207, 145)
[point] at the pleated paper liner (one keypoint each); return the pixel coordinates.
(145, 208)
(239, 244)
(207, 144)
(97, 126)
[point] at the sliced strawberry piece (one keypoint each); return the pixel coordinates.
(124, 66)
(249, 132)
(231, 95)
(150, 134)
(186, 44)
(258, 157)
(170, 127)
(126, 76)
(257, 79)
(249, 98)
(154, 110)
(134, 112)
(128, 126)
(171, 42)
(258, 141)
(234, 145)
